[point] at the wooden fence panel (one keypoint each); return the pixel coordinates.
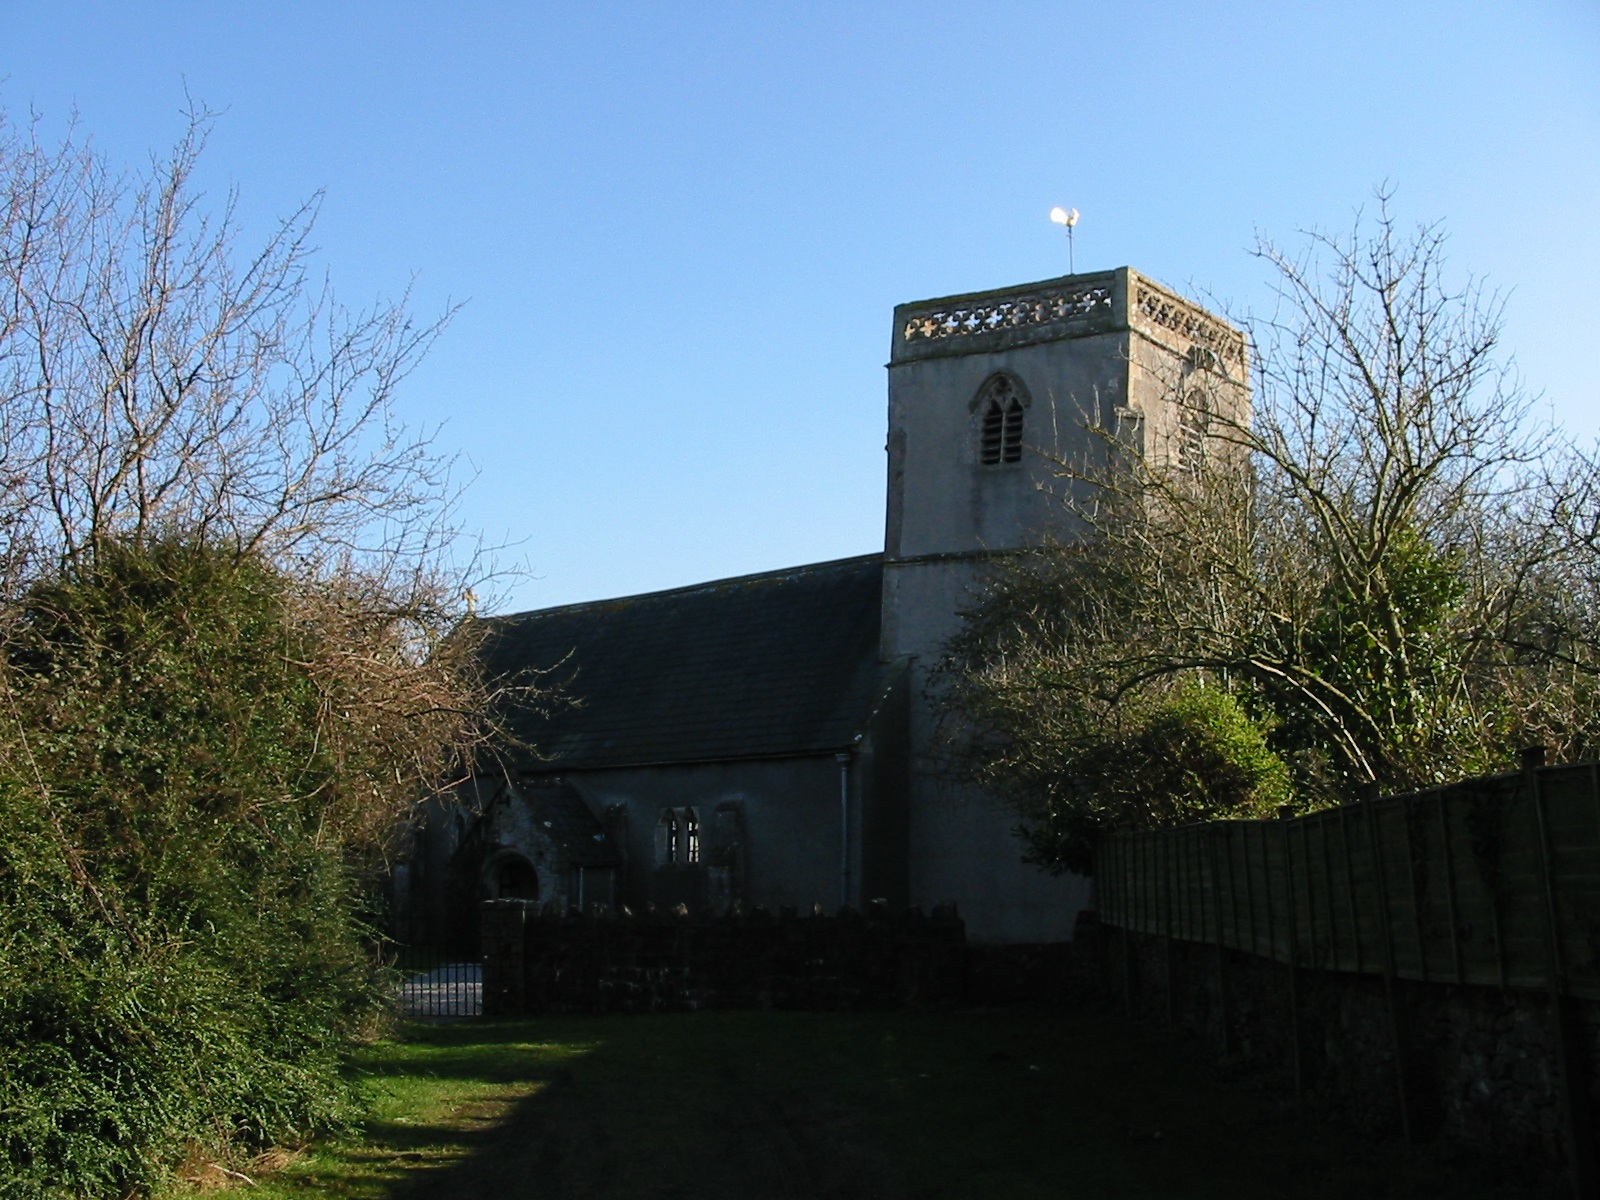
(1395, 903)
(1365, 884)
(1522, 903)
(1355, 943)
(1477, 909)
(1447, 884)
(1336, 940)
(1430, 885)
(1572, 811)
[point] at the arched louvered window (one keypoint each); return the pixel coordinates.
(1000, 438)
(1193, 423)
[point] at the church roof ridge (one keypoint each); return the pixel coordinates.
(686, 588)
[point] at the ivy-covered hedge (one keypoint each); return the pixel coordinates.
(181, 951)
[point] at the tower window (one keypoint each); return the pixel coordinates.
(1000, 439)
(691, 836)
(1193, 423)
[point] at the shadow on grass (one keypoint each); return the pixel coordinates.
(894, 1106)
(700, 1105)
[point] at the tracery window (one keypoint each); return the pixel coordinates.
(1000, 436)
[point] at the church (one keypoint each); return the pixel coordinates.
(769, 739)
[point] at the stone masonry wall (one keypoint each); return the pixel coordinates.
(1479, 1064)
(551, 961)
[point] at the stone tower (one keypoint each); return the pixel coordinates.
(988, 394)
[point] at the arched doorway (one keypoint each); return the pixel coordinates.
(512, 877)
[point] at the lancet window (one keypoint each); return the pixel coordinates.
(667, 835)
(691, 836)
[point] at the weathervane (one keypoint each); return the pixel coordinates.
(1069, 218)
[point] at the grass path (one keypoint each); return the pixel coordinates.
(894, 1106)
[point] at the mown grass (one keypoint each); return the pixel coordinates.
(745, 1105)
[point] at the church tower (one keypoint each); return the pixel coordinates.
(989, 394)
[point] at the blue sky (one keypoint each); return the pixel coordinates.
(680, 229)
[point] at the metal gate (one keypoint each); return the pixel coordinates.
(436, 985)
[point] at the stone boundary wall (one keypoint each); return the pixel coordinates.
(1477, 1066)
(545, 960)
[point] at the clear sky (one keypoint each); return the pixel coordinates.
(680, 228)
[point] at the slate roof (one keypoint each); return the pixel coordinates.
(770, 665)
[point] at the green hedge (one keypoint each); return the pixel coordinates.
(181, 955)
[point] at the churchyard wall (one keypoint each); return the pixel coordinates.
(1477, 1066)
(1429, 963)
(548, 960)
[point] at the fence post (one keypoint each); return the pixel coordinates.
(1127, 970)
(1416, 898)
(1249, 889)
(1309, 951)
(1571, 1076)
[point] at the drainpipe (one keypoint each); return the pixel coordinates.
(843, 759)
(580, 889)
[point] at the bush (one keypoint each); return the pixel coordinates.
(1191, 755)
(232, 658)
(181, 955)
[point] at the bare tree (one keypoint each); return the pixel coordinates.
(1392, 566)
(161, 381)
(155, 377)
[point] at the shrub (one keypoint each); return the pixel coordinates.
(181, 956)
(1193, 754)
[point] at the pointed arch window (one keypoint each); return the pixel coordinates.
(691, 836)
(1000, 435)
